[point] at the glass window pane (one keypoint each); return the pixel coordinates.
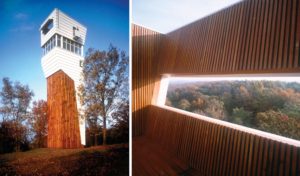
(72, 48)
(53, 41)
(65, 43)
(68, 46)
(58, 41)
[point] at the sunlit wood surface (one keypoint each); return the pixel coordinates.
(63, 124)
(150, 159)
(145, 46)
(218, 150)
(253, 36)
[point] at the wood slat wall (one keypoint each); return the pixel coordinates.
(63, 124)
(218, 150)
(253, 36)
(145, 53)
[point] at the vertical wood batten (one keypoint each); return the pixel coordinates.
(145, 44)
(63, 124)
(219, 150)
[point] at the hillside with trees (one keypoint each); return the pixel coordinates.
(271, 106)
(104, 95)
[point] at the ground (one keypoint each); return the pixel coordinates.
(100, 160)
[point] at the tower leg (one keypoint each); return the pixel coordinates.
(63, 124)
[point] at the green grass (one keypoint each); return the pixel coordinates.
(100, 160)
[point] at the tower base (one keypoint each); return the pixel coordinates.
(63, 124)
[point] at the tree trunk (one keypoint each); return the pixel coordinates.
(18, 148)
(104, 131)
(95, 139)
(17, 138)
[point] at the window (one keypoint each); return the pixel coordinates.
(53, 41)
(47, 27)
(76, 48)
(68, 44)
(58, 40)
(262, 102)
(65, 43)
(49, 45)
(72, 47)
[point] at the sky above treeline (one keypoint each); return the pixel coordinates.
(20, 51)
(168, 15)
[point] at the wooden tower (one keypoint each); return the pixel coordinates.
(62, 40)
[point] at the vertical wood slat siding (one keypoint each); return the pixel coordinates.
(219, 150)
(144, 63)
(253, 36)
(63, 124)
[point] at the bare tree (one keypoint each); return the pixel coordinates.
(104, 73)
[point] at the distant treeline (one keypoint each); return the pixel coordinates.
(272, 106)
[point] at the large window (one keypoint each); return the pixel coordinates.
(47, 27)
(49, 45)
(67, 44)
(72, 46)
(270, 104)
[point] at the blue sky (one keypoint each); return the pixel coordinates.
(20, 52)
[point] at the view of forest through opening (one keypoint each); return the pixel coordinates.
(270, 104)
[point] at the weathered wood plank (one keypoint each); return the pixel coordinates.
(63, 123)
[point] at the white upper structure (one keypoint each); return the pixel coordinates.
(62, 41)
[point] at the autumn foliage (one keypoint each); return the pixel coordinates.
(21, 126)
(272, 106)
(38, 121)
(104, 92)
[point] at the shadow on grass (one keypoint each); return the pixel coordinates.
(113, 161)
(5, 168)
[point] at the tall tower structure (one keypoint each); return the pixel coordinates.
(62, 41)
